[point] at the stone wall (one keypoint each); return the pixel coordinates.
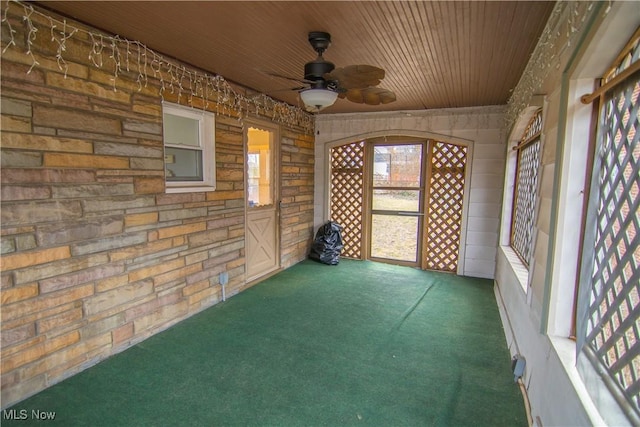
(96, 256)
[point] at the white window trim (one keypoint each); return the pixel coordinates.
(569, 213)
(522, 273)
(206, 122)
(598, 401)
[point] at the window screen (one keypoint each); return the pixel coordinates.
(526, 189)
(609, 316)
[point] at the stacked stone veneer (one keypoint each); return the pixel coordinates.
(96, 257)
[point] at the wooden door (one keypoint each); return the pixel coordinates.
(262, 231)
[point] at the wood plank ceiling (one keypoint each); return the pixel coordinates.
(436, 54)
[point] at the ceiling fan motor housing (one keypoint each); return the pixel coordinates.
(315, 70)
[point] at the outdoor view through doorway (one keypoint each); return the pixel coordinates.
(396, 201)
(400, 200)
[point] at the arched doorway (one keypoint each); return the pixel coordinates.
(400, 200)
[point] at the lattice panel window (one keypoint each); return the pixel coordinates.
(533, 128)
(347, 187)
(444, 211)
(613, 316)
(526, 190)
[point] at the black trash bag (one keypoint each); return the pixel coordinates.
(327, 245)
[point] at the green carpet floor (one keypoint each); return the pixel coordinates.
(360, 343)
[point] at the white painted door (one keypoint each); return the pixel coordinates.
(262, 231)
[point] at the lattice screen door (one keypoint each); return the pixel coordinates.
(443, 215)
(347, 191)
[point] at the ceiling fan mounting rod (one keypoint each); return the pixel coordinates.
(320, 41)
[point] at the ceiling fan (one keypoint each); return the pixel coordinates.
(324, 82)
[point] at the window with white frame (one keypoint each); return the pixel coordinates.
(189, 149)
(608, 323)
(526, 189)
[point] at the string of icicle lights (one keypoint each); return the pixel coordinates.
(565, 25)
(120, 55)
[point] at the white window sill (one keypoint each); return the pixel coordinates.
(566, 351)
(519, 269)
(193, 189)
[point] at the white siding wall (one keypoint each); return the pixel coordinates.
(482, 128)
(536, 306)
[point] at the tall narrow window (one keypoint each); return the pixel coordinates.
(260, 171)
(609, 303)
(526, 189)
(189, 149)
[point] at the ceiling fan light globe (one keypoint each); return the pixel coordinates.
(318, 99)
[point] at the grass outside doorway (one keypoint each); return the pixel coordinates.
(360, 343)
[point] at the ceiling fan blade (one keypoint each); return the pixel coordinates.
(378, 95)
(355, 95)
(356, 76)
(386, 96)
(370, 96)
